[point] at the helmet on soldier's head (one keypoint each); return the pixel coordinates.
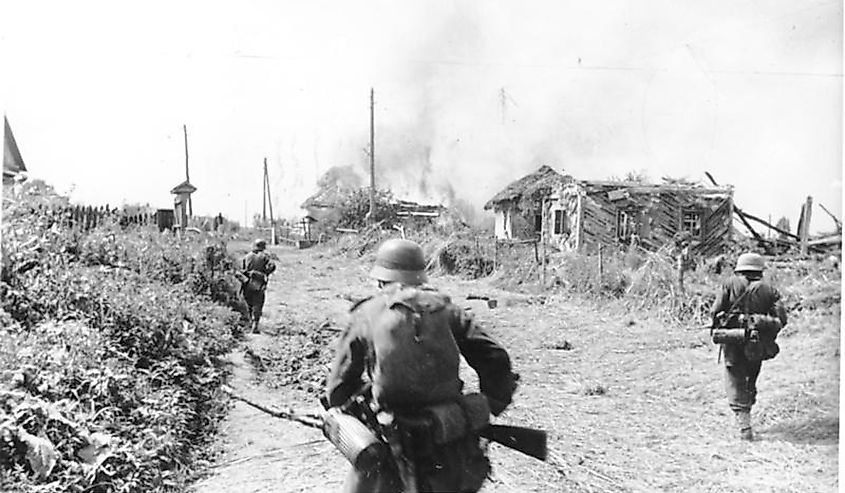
(259, 244)
(400, 261)
(750, 262)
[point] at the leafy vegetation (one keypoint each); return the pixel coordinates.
(109, 351)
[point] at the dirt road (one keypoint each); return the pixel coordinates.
(630, 404)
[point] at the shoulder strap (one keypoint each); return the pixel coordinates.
(741, 298)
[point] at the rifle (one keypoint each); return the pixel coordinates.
(309, 420)
(529, 441)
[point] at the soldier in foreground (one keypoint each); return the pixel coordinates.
(408, 340)
(747, 315)
(257, 267)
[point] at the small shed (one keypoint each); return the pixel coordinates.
(585, 214)
(519, 206)
(181, 200)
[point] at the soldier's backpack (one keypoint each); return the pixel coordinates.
(415, 355)
(756, 332)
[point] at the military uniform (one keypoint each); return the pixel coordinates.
(745, 292)
(415, 365)
(257, 266)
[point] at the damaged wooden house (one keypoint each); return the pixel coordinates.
(518, 207)
(580, 215)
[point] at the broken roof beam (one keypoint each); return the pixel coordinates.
(742, 213)
(835, 219)
(741, 216)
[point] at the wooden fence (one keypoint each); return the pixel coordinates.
(87, 218)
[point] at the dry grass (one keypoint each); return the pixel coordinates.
(632, 398)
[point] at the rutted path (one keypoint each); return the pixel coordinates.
(630, 404)
(263, 453)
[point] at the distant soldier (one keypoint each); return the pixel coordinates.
(257, 267)
(406, 342)
(751, 308)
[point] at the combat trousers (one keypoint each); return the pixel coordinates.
(741, 384)
(255, 301)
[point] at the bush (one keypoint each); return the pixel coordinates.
(110, 347)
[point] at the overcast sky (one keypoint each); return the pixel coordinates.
(469, 96)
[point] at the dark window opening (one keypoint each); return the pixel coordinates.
(691, 222)
(627, 224)
(538, 223)
(561, 227)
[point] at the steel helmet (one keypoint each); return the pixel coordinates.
(259, 244)
(400, 261)
(750, 262)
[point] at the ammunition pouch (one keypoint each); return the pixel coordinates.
(441, 424)
(454, 420)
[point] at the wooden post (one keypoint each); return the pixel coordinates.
(269, 204)
(806, 214)
(495, 253)
(680, 266)
(601, 270)
(543, 245)
(187, 174)
(372, 212)
(264, 193)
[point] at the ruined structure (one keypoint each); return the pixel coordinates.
(581, 215)
(518, 207)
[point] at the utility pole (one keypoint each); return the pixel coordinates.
(269, 204)
(264, 193)
(187, 174)
(371, 213)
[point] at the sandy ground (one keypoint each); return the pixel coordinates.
(629, 403)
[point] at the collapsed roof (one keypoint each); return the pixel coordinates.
(530, 187)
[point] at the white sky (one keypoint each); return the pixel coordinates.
(97, 92)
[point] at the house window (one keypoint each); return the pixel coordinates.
(561, 226)
(691, 222)
(627, 224)
(538, 223)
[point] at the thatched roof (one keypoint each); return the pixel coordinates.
(532, 186)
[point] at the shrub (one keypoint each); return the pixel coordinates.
(110, 344)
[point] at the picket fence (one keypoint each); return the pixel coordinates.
(86, 218)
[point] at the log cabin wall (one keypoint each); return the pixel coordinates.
(615, 214)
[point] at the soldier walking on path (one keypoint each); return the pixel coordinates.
(400, 353)
(257, 267)
(749, 307)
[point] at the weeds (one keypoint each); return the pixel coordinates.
(110, 347)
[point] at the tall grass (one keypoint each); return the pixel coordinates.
(110, 349)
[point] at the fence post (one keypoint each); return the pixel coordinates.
(601, 271)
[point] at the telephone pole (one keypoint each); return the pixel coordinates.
(269, 202)
(371, 213)
(187, 174)
(264, 193)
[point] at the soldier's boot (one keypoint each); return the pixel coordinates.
(743, 420)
